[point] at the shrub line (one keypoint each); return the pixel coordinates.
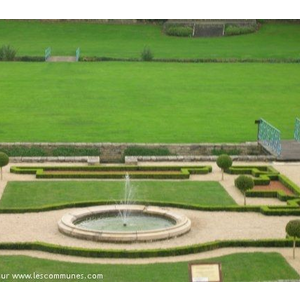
(184, 250)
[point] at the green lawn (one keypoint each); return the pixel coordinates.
(37, 194)
(127, 41)
(236, 267)
(145, 102)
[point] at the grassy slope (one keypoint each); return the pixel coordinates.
(31, 38)
(236, 267)
(36, 194)
(145, 102)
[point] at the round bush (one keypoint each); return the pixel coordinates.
(244, 183)
(224, 161)
(293, 228)
(4, 159)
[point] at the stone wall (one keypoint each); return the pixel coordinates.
(114, 152)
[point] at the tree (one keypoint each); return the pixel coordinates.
(4, 160)
(224, 162)
(244, 183)
(293, 230)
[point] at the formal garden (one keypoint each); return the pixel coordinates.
(135, 161)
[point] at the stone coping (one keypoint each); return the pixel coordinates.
(131, 160)
(135, 159)
(67, 225)
(41, 159)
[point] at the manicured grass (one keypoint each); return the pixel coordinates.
(127, 41)
(236, 267)
(145, 102)
(36, 194)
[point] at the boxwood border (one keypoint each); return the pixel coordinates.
(120, 253)
(185, 171)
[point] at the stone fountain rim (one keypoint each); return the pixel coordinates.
(66, 224)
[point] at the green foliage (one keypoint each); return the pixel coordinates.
(75, 151)
(7, 53)
(146, 54)
(4, 159)
(237, 30)
(19, 151)
(113, 172)
(142, 151)
(116, 253)
(224, 161)
(221, 151)
(293, 228)
(27, 58)
(244, 183)
(181, 31)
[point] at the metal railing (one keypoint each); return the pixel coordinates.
(269, 136)
(47, 53)
(77, 54)
(297, 130)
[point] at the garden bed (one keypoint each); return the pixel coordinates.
(274, 186)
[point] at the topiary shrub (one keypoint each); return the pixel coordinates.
(7, 53)
(224, 162)
(4, 160)
(147, 54)
(181, 31)
(244, 183)
(293, 229)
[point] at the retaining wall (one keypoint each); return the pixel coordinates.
(114, 152)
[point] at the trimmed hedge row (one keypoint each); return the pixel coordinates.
(238, 30)
(292, 208)
(30, 151)
(263, 174)
(255, 171)
(185, 172)
(112, 253)
(289, 184)
(143, 151)
(179, 31)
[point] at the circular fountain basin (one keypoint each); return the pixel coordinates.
(103, 223)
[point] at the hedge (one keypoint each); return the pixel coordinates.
(142, 151)
(194, 60)
(112, 253)
(118, 171)
(30, 151)
(180, 31)
(238, 30)
(292, 207)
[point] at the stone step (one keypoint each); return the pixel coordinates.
(290, 151)
(208, 30)
(61, 59)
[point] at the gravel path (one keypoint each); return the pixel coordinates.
(206, 227)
